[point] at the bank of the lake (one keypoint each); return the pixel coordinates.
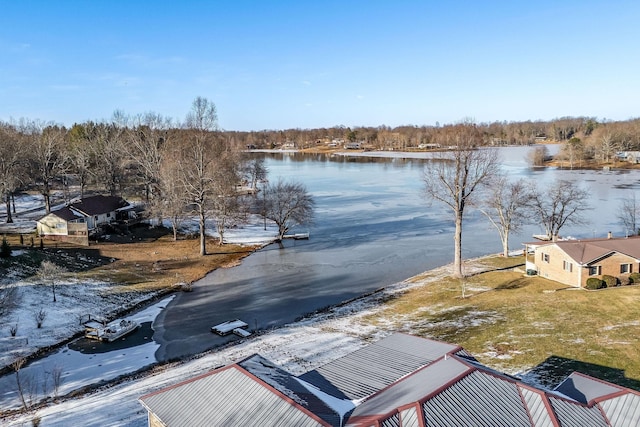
(429, 305)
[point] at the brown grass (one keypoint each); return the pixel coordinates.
(514, 322)
(149, 260)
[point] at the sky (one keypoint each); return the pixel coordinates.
(285, 64)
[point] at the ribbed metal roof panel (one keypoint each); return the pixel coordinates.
(409, 418)
(537, 410)
(392, 421)
(622, 411)
(412, 388)
(574, 414)
(479, 399)
(372, 368)
(227, 397)
(290, 386)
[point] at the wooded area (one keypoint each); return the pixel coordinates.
(171, 164)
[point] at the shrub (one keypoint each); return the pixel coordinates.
(610, 280)
(5, 249)
(39, 317)
(624, 280)
(634, 277)
(595, 283)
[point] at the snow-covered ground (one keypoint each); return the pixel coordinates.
(298, 348)
(77, 298)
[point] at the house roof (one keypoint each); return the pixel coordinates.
(96, 205)
(372, 368)
(225, 397)
(64, 213)
(591, 250)
(450, 389)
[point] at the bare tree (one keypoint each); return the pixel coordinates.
(288, 205)
(607, 146)
(79, 153)
(557, 205)
(47, 155)
(454, 177)
(108, 155)
(12, 169)
(538, 155)
(628, 215)
(506, 206)
(50, 273)
(255, 171)
(200, 154)
(56, 376)
(173, 204)
(227, 205)
(146, 142)
(16, 365)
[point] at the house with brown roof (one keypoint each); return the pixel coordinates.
(83, 217)
(399, 381)
(572, 262)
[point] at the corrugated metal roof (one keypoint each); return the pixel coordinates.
(478, 399)
(410, 418)
(370, 369)
(584, 388)
(537, 409)
(573, 414)
(622, 411)
(412, 388)
(226, 397)
(289, 385)
(441, 391)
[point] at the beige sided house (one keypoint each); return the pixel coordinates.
(76, 221)
(572, 262)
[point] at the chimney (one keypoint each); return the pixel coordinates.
(609, 235)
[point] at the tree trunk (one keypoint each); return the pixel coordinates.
(203, 242)
(8, 203)
(457, 251)
(505, 245)
(47, 203)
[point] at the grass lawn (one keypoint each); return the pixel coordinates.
(513, 322)
(148, 260)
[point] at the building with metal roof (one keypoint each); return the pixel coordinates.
(399, 381)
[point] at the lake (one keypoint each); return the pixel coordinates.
(372, 228)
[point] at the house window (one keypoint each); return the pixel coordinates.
(545, 257)
(109, 215)
(567, 266)
(595, 270)
(60, 225)
(626, 268)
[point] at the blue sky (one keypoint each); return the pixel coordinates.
(308, 64)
